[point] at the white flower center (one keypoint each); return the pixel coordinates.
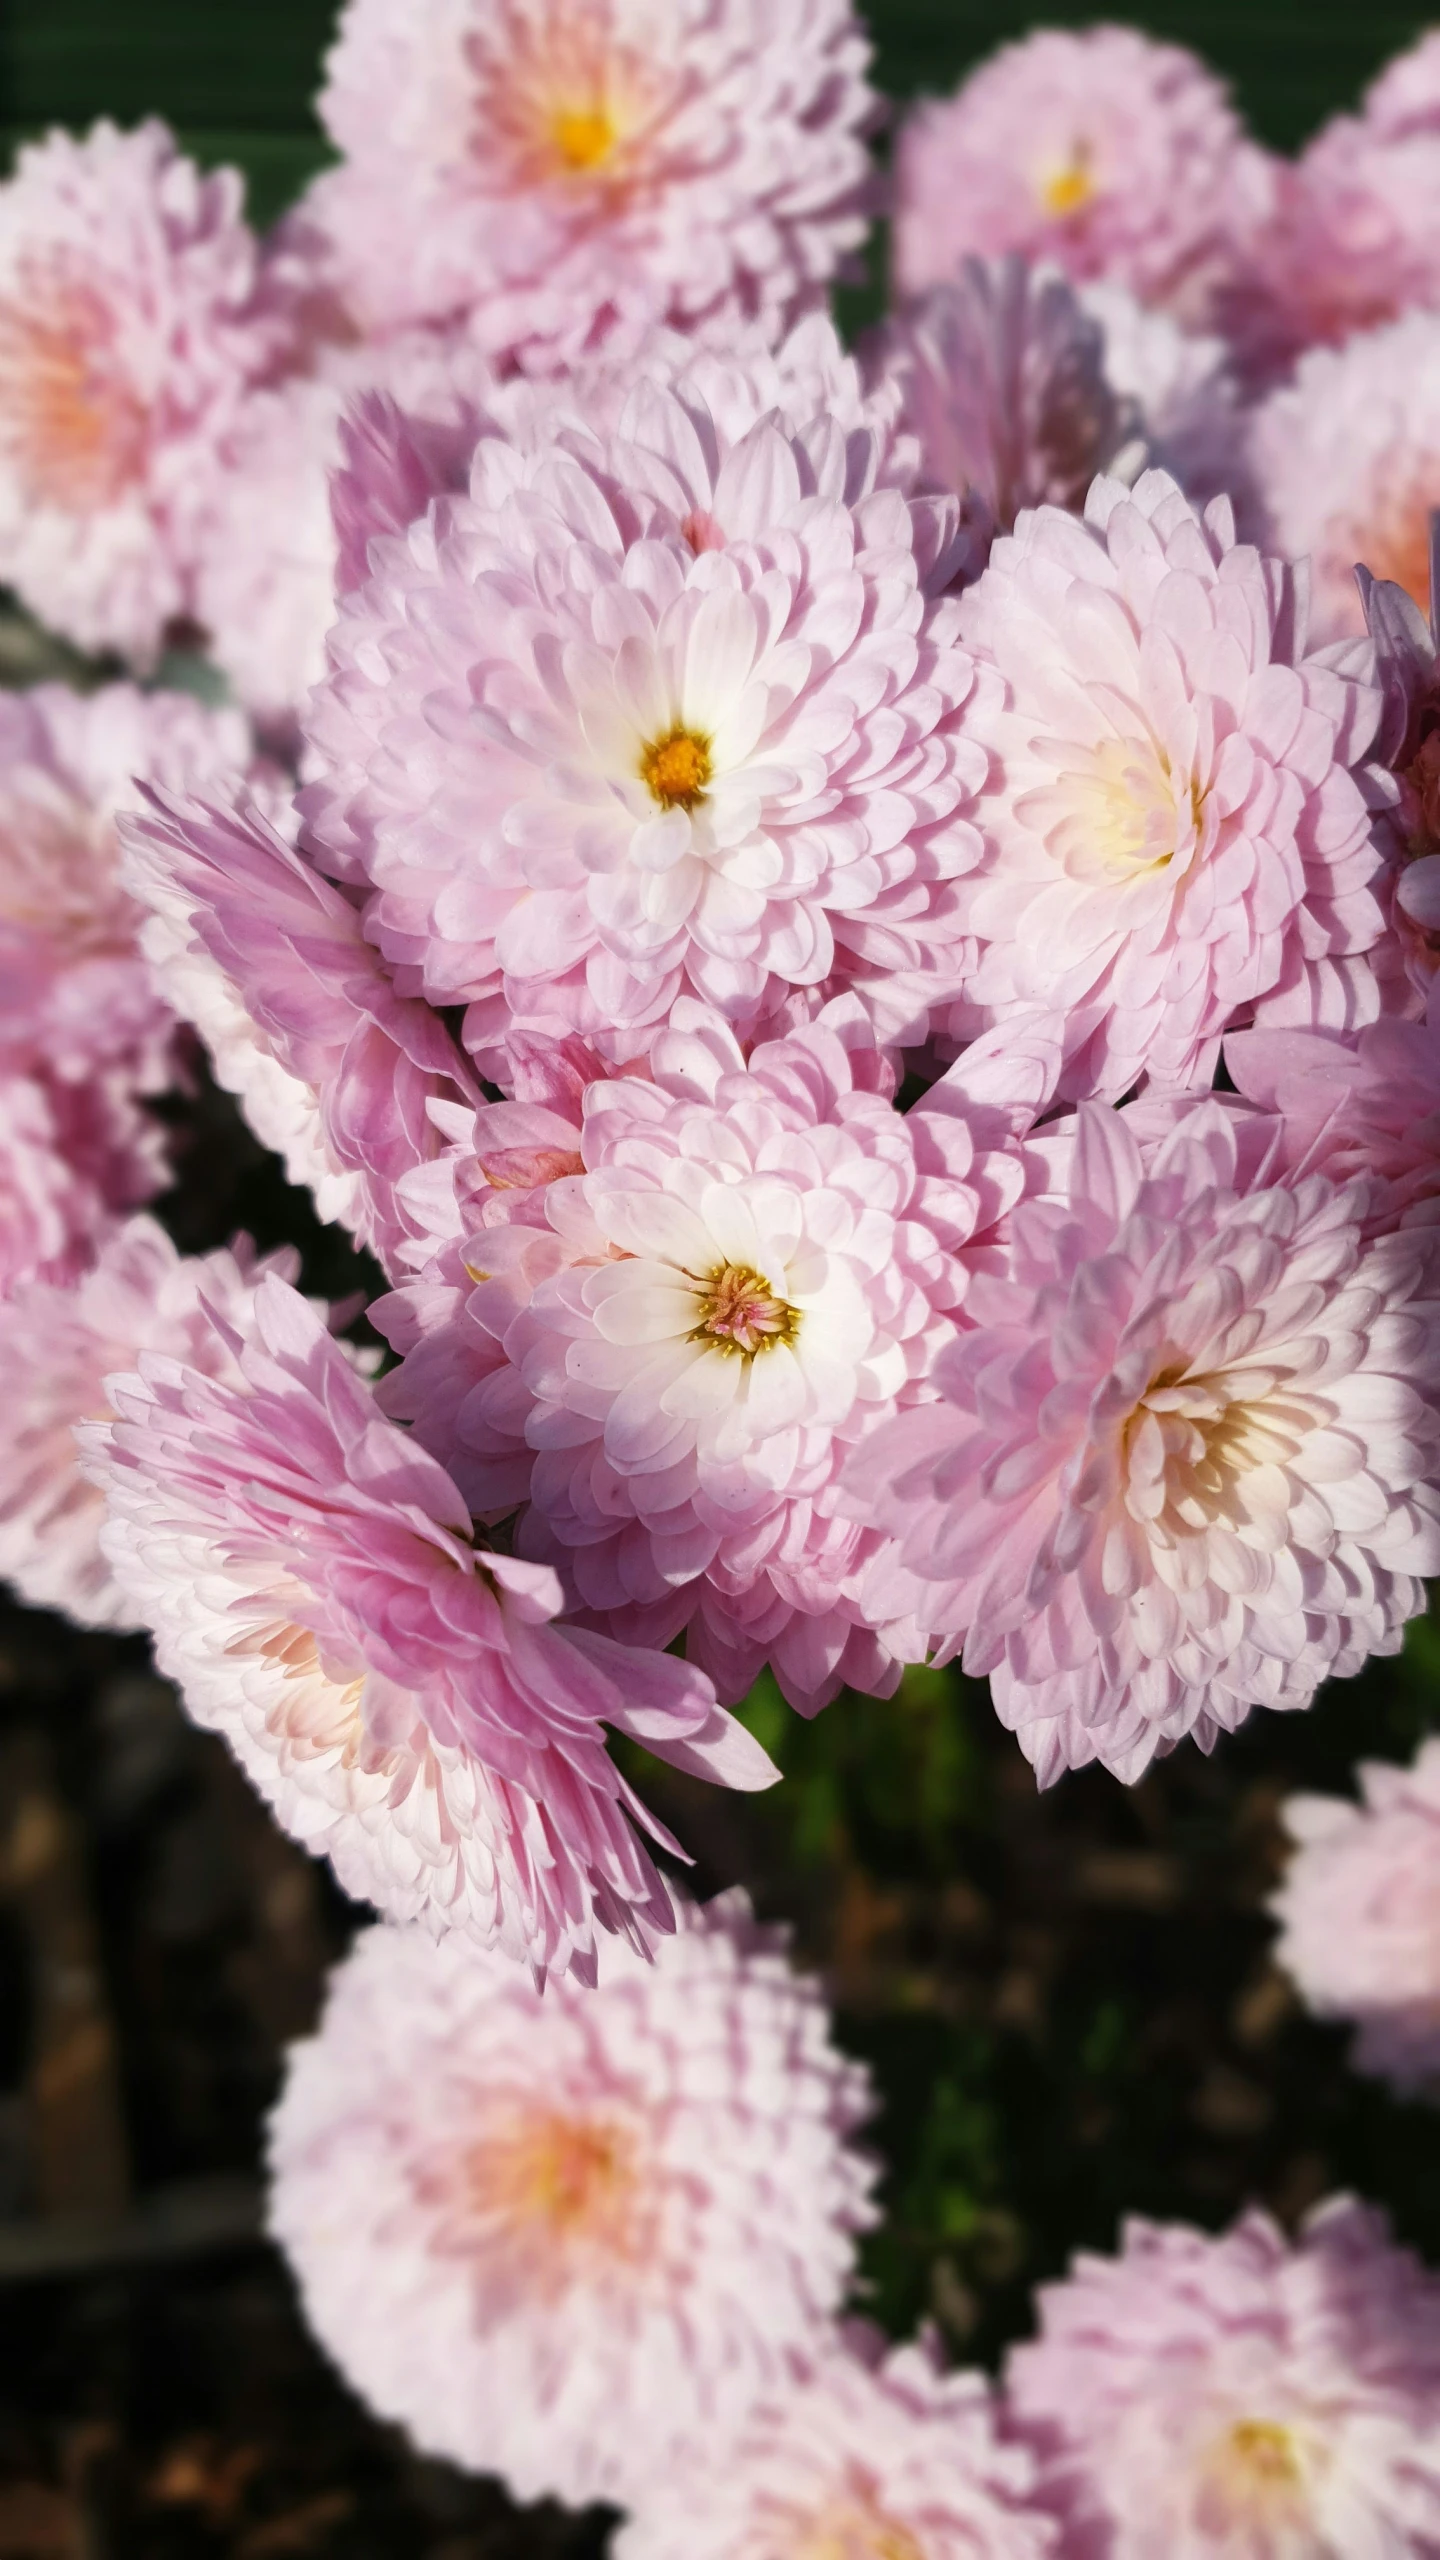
(71, 427)
(1192, 1442)
(740, 1314)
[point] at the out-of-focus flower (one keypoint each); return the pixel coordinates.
(268, 960)
(130, 327)
(658, 711)
(562, 173)
(1003, 379)
(1359, 1915)
(874, 2456)
(1117, 157)
(1176, 838)
(57, 1348)
(571, 2238)
(400, 1696)
(1200, 2397)
(1184, 1465)
(1181, 391)
(72, 1158)
(719, 1279)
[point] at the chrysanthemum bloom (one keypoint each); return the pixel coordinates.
(1359, 1915)
(1003, 378)
(1185, 1463)
(674, 1343)
(1113, 155)
(668, 710)
(874, 2456)
(569, 2238)
(398, 1694)
(76, 996)
(1367, 1106)
(129, 328)
(1182, 392)
(333, 1070)
(57, 1348)
(1176, 838)
(559, 173)
(1407, 787)
(1197, 2398)
(72, 1157)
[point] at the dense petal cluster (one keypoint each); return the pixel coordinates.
(1112, 155)
(690, 717)
(874, 2456)
(562, 173)
(1176, 836)
(401, 1696)
(572, 2238)
(1197, 2398)
(1359, 1915)
(1363, 1108)
(131, 326)
(1185, 1462)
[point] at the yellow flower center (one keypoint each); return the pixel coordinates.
(854, 2528)
(1069, 189)
(676, 768)
(69, 424)
(1258, 2477)
(584, 137)
(1265, 2451)
(549, 2193)
(741, 1314)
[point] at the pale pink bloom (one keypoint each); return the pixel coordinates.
(129, 328)
(875, 2455)
(267, 959)
(563, 173)
(1347, 462)
(683, 1314)
(1115, 156)
(76, 996)
(571, 2238)
(1407, 789)
(1359, 1915)
(400, 1696)
(72, 1158)
(1368, 1106)
(1184, 1463)
(58, 1346)
(1176, 836)
(1240, 2398)
(664, 710)
(1404, 98)
(1182, 391)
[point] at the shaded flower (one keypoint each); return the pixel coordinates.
(1359, 1915)
(1366, 1107)
(568, 2239)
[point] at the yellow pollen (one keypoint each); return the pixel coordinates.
(1266, 2452)
(676, 769)
(571, 2179)
(1069, 190)
(584, 137)
(741, 1313)
(852, 2527)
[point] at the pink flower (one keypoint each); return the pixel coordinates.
(1003, 379)
(1347, 458)
(1184, 1463)
(58, 1346)
(400, 1697)
(1113, 155)
(268, 960)
(1359, 1915)
(661, 711)
(1176, 837)
(129, 329)
(1183, 393)
(1363, 1108)
(76, 996)
(1198, 2397)
(72, 1156)
(875, 2456)
(561, 173)
(571, 2238)
(708, 1286)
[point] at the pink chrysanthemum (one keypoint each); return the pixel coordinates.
(570, 2238)
(76, 997)
(1367, 1107)
(1115, 156)
(72, 1158)
(1184, 1464)
(1176, 838)
(129, 329)
(677, 1336)
(874, 2456)
(1199, 2399)
(334, 1070)
(562, 173)
(57, 1348)
(1003, 380)
(1359, 1915)
(399, 1696)
(1347, 459)
(1182, 392)
(658, 711)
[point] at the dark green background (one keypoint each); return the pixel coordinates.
(235, 76)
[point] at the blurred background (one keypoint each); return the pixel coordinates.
(1069, 2001)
